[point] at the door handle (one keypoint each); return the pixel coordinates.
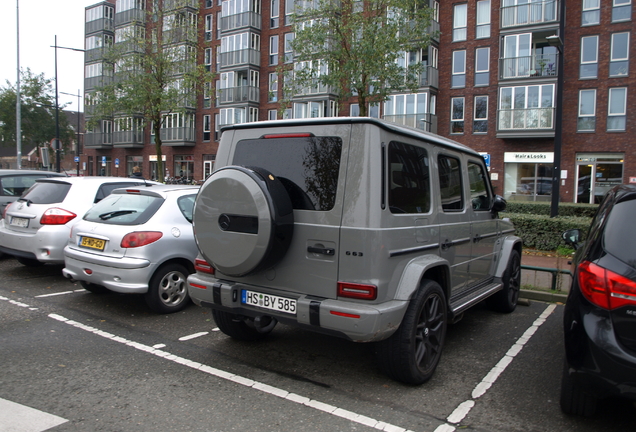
(321, 250)
(476, 238)
(446, 244)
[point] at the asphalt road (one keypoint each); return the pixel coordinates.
(106, 363)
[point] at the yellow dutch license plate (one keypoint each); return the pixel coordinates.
(93, 243)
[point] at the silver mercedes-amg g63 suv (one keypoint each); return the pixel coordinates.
(353, 227)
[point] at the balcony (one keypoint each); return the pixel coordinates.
(425, 121)
(177, 137)
(98, 81)
(241, 20)
(179, 35)
(524, 123)
(238, 94)
(536, 12)
(242, 57)
(128, 139)
(98, 140)
(102, 24)
(430, 77)
(170, 5)
(130, 16)
(94, 54)
(529, 66)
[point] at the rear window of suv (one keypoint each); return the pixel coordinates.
(47, 192)
(308, 166)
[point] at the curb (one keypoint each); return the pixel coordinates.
(542, 296)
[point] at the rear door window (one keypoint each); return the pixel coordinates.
(308, 166)
(409, 186)
(450, 180)
(45, 192)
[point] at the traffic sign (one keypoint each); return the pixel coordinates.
(116, 162)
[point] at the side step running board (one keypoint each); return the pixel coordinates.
(461, 303)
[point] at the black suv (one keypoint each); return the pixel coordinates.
(600, 313)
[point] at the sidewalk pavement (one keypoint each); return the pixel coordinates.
(536, 284)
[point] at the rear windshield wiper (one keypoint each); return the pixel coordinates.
(27, 201)
(113, 214)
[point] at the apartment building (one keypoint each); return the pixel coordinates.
(492, 82)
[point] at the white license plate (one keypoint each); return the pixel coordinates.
(268, 301)
(19, 222)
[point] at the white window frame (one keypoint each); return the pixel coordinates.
(273, 87)
(482, 71)
(610, 107)
(589, 114)
(457, 64)
(589, 61)
(274, 13)
(480, 119)
(621, 4)
(209, 26)
(591, 8)
(619, 59)
(458, 119)
(273, 49)
(482, 18)
(460, 22)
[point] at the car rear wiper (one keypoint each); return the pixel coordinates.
(113, 214)
(27, 201)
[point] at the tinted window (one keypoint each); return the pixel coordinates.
(107, 188)
(17, 185)
(47, 193)
(124, 209)
(409, 181)
(620, 236)
(307, 166)
(450, 182)
(479, 193)
(186, 205)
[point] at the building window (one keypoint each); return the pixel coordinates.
(460, 22)
(273, 87)
(208, 27)
(483, 19)
(436, 11)
(207, 95)
(406, 109)
(619, 55)
(274, 13)
(589, 57)
(587, 111)
(480, 123)
(207, 59)
(289, 11)
(482, 66)
(457, 115)
(354, 110)
(591, 14)
(617, 109)
(206, 127)
(517, 55)
(272, 114)
(459, 69)
(273, 50)
(621, 10)
(526, 107)
(289, 52)
(209, 3)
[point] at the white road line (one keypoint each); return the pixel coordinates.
(159, 346)
(265, 388)
(193, 336)
(16, 417)
(57, 294)
(464, 408)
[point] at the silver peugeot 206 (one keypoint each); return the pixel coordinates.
(137, 240)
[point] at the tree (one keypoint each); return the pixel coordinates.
(37, 112)
(358, 48)
(154, 71)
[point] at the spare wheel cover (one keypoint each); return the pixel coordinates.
(243, 220)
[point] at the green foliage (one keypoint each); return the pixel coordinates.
(543, 232)
(543, 208)
(37, 112)
(154, 73)
(355, 48)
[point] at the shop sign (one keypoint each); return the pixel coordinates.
(528, 157)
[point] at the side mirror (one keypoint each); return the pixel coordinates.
(499, 204)
(572, 237)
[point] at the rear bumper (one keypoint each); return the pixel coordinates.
(123, 275)
(352, 320)
(45, 245)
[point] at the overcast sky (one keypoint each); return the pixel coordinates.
(40, 22)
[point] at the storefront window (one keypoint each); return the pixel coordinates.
(184, 166)
(606, 171)
(133, 161)
(528, 176)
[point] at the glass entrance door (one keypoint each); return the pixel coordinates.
(596, 174)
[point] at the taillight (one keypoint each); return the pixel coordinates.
(605, 288)
(203, 266)
(357, 291)
(140, 238)
(57, 216)
(4, 212)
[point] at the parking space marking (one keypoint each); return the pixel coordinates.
(464, 408)
(265, 388)
(193, 336)
(60, 293)
(17, 417)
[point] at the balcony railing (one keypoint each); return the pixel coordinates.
(238, 94)
(528, 66)
(535, 12)
(169, 5)
(97, 81)
(98, 140)
(430, 77)
(525, 119)
(425, 121)
(240, 57)
(180, 35)
(94, 54)
(178, 136)
(244, 19)
(102, 24)
(129, 16)
(131, 138)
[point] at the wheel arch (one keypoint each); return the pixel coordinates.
(510, 243)
(428, 267)
(189, 265)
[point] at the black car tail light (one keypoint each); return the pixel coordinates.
(605, 288)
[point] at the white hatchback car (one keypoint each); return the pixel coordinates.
(137, 240)
(37, 226)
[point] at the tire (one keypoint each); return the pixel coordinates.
(235, 327)
(168, 289)
(412, 353)
(94, 288)
(244, 220)
(574, 399)
(29, 262)
(505, 300)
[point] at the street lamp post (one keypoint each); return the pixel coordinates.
(77, 143)
(57, 109)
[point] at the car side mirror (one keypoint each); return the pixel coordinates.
(572, 237)
(499, 204)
